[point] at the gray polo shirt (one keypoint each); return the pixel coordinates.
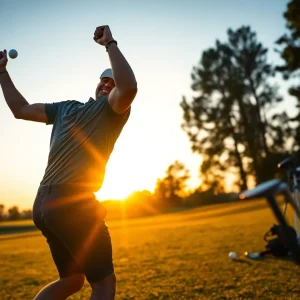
(82, 139)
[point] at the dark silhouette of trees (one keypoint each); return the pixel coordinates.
(170, 189)
(232, 122)
(13, 213)
(291, 56)
(26, 214)
(1, 212)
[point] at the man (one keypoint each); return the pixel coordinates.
(82, 139)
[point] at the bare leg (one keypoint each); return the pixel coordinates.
(104, 289)
(62, 288)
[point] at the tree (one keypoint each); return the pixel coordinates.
(1, 212)
(170, 189)
(139, 203)
(27, 214)
(229, 121)
(291, 57)
(13, 213)
(266, 137)
(209, 122)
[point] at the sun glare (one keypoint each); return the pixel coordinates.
(114, 187)
(125, 176)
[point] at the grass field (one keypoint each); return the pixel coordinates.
(180, 255)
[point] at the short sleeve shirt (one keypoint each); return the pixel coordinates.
(82, 139)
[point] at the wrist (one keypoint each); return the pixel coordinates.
(110, 43)
(3, 69)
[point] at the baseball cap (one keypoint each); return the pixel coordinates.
(107, 73)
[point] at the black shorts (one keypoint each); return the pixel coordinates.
(73, 224)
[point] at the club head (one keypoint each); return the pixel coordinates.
(253, 255)
(286, 164)
(270, 187)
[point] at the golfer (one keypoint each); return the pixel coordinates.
(83, 137)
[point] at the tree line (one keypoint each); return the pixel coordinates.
(171, 192)
(14, 213)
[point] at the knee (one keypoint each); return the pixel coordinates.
(76, 282)
(108, 282)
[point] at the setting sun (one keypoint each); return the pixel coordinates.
(121, 176)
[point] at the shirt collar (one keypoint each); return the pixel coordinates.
(91, 99)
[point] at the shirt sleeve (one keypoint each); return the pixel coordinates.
(118, 118)
(51, 111)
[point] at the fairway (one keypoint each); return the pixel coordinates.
(180, 255)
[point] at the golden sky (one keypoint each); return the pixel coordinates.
(58, 60)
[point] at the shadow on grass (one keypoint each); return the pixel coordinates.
(4, 230)
(267, 259)
(242, 261)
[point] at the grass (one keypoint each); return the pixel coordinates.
(8, 227)
(17, 223)
(180, 255)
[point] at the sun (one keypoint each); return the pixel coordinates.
(109, 192)
(118, 184)
(124, 176)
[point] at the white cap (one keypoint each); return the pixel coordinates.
(107, 73)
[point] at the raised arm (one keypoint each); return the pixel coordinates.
(19, 106)
(122, 95)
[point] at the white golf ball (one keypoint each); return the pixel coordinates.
(232, 255)
(13, 53)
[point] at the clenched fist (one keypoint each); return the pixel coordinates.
(102, 35)
(3, 59)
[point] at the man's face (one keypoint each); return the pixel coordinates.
(104, 87)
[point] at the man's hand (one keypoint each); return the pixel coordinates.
(3, 60)
(102, 35)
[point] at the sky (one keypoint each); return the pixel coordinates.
(59, 60)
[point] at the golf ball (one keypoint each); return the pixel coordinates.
(232, 255)
(13, 53)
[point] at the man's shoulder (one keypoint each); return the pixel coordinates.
(68, 104)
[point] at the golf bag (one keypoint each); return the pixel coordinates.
(276, 241)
